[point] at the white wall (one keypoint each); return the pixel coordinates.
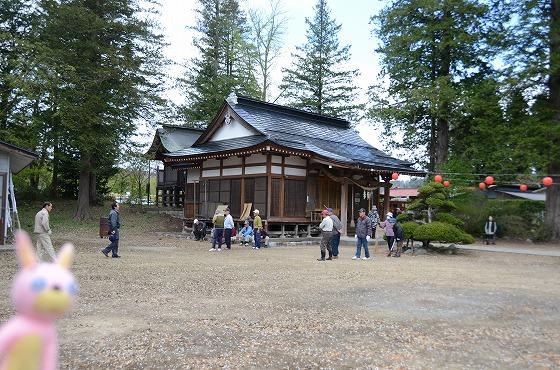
(193, 174)
(4, 162)
(232, 130)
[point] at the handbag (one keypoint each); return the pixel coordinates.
(113, 238)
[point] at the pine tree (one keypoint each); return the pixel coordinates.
(225, 63)
(102, 66)
(319, 81)
(428, 48)
(533, 64)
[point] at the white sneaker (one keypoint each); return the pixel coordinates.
(365, 258)
(355, 258)
(219, 249)
(212, 250)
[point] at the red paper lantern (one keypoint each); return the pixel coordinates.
(446, 183)
(523, 187)
(395, 176)
(547, 181)
(482, 186)
(489, 180)
(438, 178)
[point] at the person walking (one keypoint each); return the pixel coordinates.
(257, 228)
(373, 215)
(199, 229)
(326, 227)
(228, 227)
(363, 235)
(387, 226)
(114, 227)
(337, 226)
(218, 221)
(45, 250)
(246, 234)
(399, 237)
(490, 228)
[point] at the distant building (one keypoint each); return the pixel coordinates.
(12, 160)
(287, 163)
(512, 192)
(400, 197)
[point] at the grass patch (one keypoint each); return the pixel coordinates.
(62, 218)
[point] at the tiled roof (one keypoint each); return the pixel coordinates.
(171, 138)
(327, 137)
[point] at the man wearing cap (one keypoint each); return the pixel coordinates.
(337, 226)
(257, 226)
(326, 227)
(228, 227)
(246, 234)
(363, 234)
(387, 226)
(199, 229)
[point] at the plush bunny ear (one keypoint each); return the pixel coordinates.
(65, 256)
(25, 251)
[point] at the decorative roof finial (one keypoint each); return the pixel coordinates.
(232, 98)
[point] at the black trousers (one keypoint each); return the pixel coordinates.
(390, 240)
(113, 248)
(227, 237)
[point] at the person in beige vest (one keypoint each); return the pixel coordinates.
(45, 250)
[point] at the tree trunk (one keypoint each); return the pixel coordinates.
(55, 170)
(93, 188)
(442, 122)
(553, 192)
(82, 211)
(442, 142)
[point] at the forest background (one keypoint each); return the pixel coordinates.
(465, 87)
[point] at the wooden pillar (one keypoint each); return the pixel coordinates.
(344, 209)
(386, 197)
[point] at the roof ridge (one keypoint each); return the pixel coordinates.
(296, 112)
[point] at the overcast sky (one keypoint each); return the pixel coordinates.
(354, 15)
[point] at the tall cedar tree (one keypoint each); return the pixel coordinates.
(225, 64)
(428, 48)
(319, 81)
(533, 63)
(107, 59)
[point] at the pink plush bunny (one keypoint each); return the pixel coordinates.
(41, 293)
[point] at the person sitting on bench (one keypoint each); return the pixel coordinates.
(246, 234)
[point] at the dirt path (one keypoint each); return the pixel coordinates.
(170, 304)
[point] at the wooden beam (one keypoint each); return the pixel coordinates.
(344, 209)
(386, 196)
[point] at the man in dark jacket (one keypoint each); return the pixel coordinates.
(114, 226)
(199, 229)
(399, 237)
(337, 226)
(363, 235)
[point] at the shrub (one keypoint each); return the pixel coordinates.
(409, 228)
(442, 232)
(448, 218)
(403, 217)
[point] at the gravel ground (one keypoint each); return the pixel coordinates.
(170, 304)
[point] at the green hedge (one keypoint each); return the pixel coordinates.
(409, 228)
(441, 232)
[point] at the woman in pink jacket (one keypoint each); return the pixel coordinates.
(387, 226)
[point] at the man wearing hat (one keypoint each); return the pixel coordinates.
(199, 229)
(246, 233)
(257, 226)
(363, 234)
(326, 227)
(337, 226)
(218, 233)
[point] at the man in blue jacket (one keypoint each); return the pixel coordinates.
(246, 234)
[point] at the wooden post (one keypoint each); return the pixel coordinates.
(386, 197)
(344, 209)
(352, 223)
